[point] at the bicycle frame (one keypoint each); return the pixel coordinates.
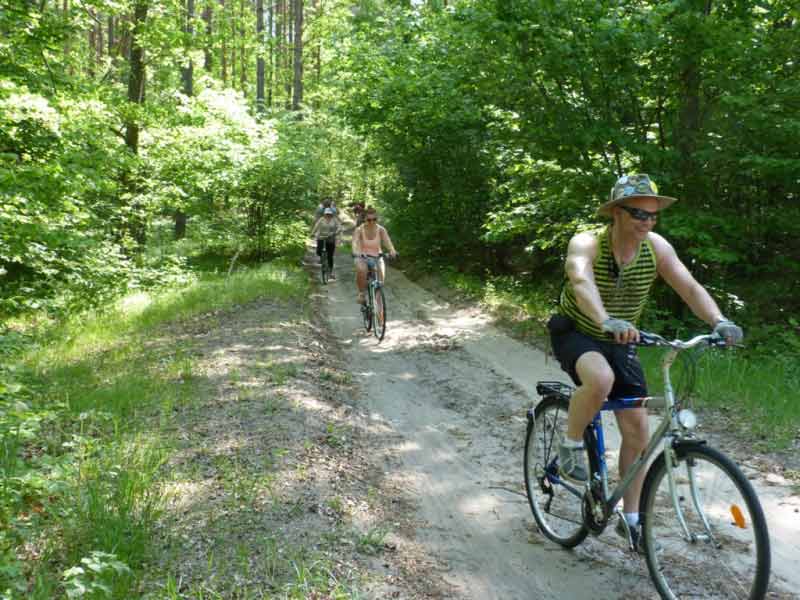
(668, 431)
(373, 281)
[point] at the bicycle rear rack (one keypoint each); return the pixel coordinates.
(554, 388)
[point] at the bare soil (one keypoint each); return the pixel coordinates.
(396, 466)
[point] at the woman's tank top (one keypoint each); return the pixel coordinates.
(368, 246)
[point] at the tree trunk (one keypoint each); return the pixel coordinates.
(297, 87)
(111, 36)
(180, 224)
(287, 59)
(67, 39)
(318, 44)
(208, 55)
(136, 86)
(690, 119)
(98, 50)
(187, 70)
(224, 50)
(234, 46)
(260, 55)
(125, 36)
(136, 79)
(279, 50)
(92, 45)
(271, 54)
(242, 48)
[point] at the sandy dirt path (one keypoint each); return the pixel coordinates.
(453, 391)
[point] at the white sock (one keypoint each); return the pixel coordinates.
(569, 443)
(632, 519)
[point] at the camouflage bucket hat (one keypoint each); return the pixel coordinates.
(633, 186)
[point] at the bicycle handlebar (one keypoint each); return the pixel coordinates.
(379, 255)
(647, 338)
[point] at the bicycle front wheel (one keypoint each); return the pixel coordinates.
(366, 312)
(556, 503)
(324, 267)
(379, 315)
(726, 552)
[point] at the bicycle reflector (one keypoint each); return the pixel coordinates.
(738, 517)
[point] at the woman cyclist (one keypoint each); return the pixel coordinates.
(368, 240)
(325, 231)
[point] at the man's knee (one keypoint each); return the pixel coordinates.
(595, 374)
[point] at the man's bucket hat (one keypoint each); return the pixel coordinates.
(633, 186)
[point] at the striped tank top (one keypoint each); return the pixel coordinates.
(623, 290)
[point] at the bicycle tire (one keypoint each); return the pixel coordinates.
(324, 267)
(366, 311)
(556, 508)
(733, 562)
(379, 314)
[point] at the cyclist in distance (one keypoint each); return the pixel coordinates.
(325, 231)
(358, 212)
(326, 203)
(609, 273)
(368, 239)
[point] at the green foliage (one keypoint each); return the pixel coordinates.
(92, 579)
(500, 127)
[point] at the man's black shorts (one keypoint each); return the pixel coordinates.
(569, 345)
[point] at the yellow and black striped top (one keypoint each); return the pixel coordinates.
(624, 291)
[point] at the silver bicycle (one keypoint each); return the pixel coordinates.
(703, 530)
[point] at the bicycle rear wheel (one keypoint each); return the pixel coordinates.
(379, 314)
(556, 503)
(728, 556)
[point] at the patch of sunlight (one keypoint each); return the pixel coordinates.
(135, 304)
(408, 446)
(182, 494)
(478, 504)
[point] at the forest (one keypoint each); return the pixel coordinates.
(150, 145)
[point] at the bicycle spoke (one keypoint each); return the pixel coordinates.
(556, 505)
(727, 552)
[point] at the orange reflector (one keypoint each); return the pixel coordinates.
(738, 517)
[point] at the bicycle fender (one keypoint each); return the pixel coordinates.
(681, 445)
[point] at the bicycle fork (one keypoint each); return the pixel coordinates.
(671, 462)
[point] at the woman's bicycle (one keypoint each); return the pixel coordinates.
(703, 529)
(373, 311)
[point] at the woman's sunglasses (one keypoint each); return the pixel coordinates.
(639, 214)
(371, 220)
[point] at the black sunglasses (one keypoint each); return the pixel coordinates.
(639, 214)
(371, 219)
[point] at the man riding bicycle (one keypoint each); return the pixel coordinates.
(368, 239)
(325, 231)
(609, 275)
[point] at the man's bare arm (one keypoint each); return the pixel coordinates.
(683, 282)
(581, 253)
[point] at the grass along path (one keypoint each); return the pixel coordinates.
(197, 445)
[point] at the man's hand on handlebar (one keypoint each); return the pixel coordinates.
(623, 331)
(729, 331)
